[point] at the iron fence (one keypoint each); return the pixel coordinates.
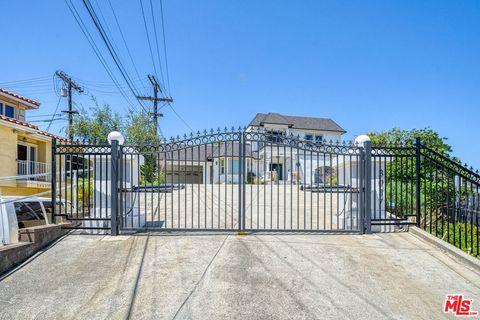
(394, 186)
(258, 180)
(449, 200)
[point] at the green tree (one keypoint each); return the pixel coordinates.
(438, 194)
(140, 130)
(428, 138)
(400, 175)
(95, 124)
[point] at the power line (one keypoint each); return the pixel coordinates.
(49, 121)
(165, 45)
(33, 80)
(108, 44)
(125, 42)
(148, 37)
(156, 42)
(96, 50)
(55, 112)
(44, 115)
(184, 122)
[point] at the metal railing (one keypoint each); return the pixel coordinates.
(36, 171)
(293, 185)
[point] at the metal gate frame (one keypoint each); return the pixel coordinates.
(245, 140)
(107, 167)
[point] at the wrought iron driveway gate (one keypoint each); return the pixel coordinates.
(231, 180)
(258, 180)
(245, 180)
(240, 180)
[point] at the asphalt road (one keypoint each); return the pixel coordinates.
(222, 276)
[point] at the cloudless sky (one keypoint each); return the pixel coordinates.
(369, 65)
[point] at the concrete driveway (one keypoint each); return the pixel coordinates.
(242, 277)
(277, 207)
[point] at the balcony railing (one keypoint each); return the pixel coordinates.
(34, 170)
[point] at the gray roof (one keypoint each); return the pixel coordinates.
(202, 153)
(296, 122)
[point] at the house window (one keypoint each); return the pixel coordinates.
(234, 166)
(274, 136)
(9, 111)
(21, 114)
(309, 137)
(222, 166)
(1, 108)
(318, 139)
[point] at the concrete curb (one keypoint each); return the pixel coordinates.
(447, 247)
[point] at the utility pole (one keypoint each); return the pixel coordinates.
(70, 85)
(155, 99)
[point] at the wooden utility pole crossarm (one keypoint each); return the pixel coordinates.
(155, 99)
(70, 85)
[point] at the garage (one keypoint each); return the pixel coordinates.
(186, 174)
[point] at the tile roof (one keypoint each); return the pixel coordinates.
(296, 122)
(32, 126)
(35, 103)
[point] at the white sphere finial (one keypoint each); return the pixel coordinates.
(115, 135)
(361, 139)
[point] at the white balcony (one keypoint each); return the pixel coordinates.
(34, 170)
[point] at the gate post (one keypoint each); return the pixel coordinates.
(244, 178)
(53, 178)
(114, 188)
(418, 181)
(241, 184)
(361, 188)
(368, 186)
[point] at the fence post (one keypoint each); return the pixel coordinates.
(244, 178)
(368, 186)
(114, 188)
(361, 188)
(418, 181)
(53, 178)
(240, 185)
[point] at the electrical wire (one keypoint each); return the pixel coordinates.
(148, 38)
(97, 51)
(125, 43)
(44, 115)
(156, 43)
(54, 113)
(38, 79)
(111, 50)
(179, 117)
(165, 46)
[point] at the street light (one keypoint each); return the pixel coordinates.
(115, 135)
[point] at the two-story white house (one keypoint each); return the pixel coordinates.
(265, 161)
(290, 163)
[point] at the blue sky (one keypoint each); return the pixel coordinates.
(369, 65)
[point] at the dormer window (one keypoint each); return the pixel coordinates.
(318, 138)
(9, 111)
(309, 137)
(274, 136)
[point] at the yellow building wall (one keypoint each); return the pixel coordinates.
(9, 138)
(8, 154)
